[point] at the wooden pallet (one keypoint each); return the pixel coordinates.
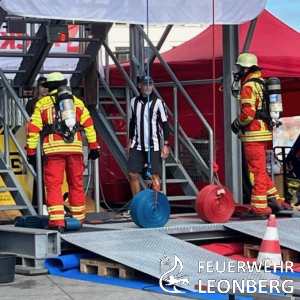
(106, 268)
(251, 251)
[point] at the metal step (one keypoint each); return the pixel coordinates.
(14, 71)
(13, 207)
(67, 55)
(8, 189)
(115, 118)
(78, 39)
(118, 92)
(4, 171)
(180, 198)
(172, 164)
(111, 102)
(18, 54)
(60, 71)
(20, 38)
(121, 133)
(177, 180)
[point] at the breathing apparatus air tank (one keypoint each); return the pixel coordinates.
(274, 91)
(66, 106)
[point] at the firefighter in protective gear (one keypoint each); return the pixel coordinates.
(60, 155)
(254, 134)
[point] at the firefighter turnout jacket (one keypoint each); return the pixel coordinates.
(44, 114)
(254, 130)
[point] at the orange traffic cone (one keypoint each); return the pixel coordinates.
(270, 252)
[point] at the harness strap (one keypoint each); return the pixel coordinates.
(264, 113)
(59, 127)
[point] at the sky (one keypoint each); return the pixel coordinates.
(287, 11)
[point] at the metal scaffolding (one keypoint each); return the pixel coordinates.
(39, 50)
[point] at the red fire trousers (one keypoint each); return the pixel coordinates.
(262, 185)
(54, 168)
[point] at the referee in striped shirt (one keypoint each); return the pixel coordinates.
(140, 135)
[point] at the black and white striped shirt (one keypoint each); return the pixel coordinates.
(139, 126)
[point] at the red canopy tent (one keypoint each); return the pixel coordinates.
(277, 47)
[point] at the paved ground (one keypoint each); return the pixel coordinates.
(50, 287)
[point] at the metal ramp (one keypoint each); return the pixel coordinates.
(141, 250)
(288, 230)
(14, 187)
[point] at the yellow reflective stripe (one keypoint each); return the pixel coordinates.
(251, 177)
(56, 217)
(257, 133)
(62, 142)
(258, 205)
(62, 150)
(250, 101)
(256, 136)
(272, 190)
(32, 140)
(255, 139)
(246, 121)
(254, 197)
(85, 115)
(79, 217)
(56, 208)
(90, 134)
(78, 148)
(275, 195)
(77, 208)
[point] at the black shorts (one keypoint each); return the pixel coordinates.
(138, 159)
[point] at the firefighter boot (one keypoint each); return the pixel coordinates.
(276, 208)
(253, 216)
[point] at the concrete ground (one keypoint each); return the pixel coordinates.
(50, 287)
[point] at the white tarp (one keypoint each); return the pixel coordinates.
(135, 11)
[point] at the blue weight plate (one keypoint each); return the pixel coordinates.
(143, 212)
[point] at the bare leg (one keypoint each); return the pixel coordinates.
(134, 183)
(156, 182)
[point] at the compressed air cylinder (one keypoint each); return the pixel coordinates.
(66, 106)
(274, 91)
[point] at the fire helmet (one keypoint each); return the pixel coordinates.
(247, 60)
(55, 80)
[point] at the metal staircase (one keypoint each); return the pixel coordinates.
(15, 189)
(173, 170)
(34, 47)
(181, 177)
(105, 119)
(113, 102)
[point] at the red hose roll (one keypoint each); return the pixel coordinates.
(215, 204)
(199, 203)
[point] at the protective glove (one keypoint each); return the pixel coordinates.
(235, 126)
(94, 154)
(32, 159)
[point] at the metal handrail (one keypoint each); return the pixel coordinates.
(113, 98)
(183, 135)
(185, 139)
(187, 97)
(7, 132)
(190, 82)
